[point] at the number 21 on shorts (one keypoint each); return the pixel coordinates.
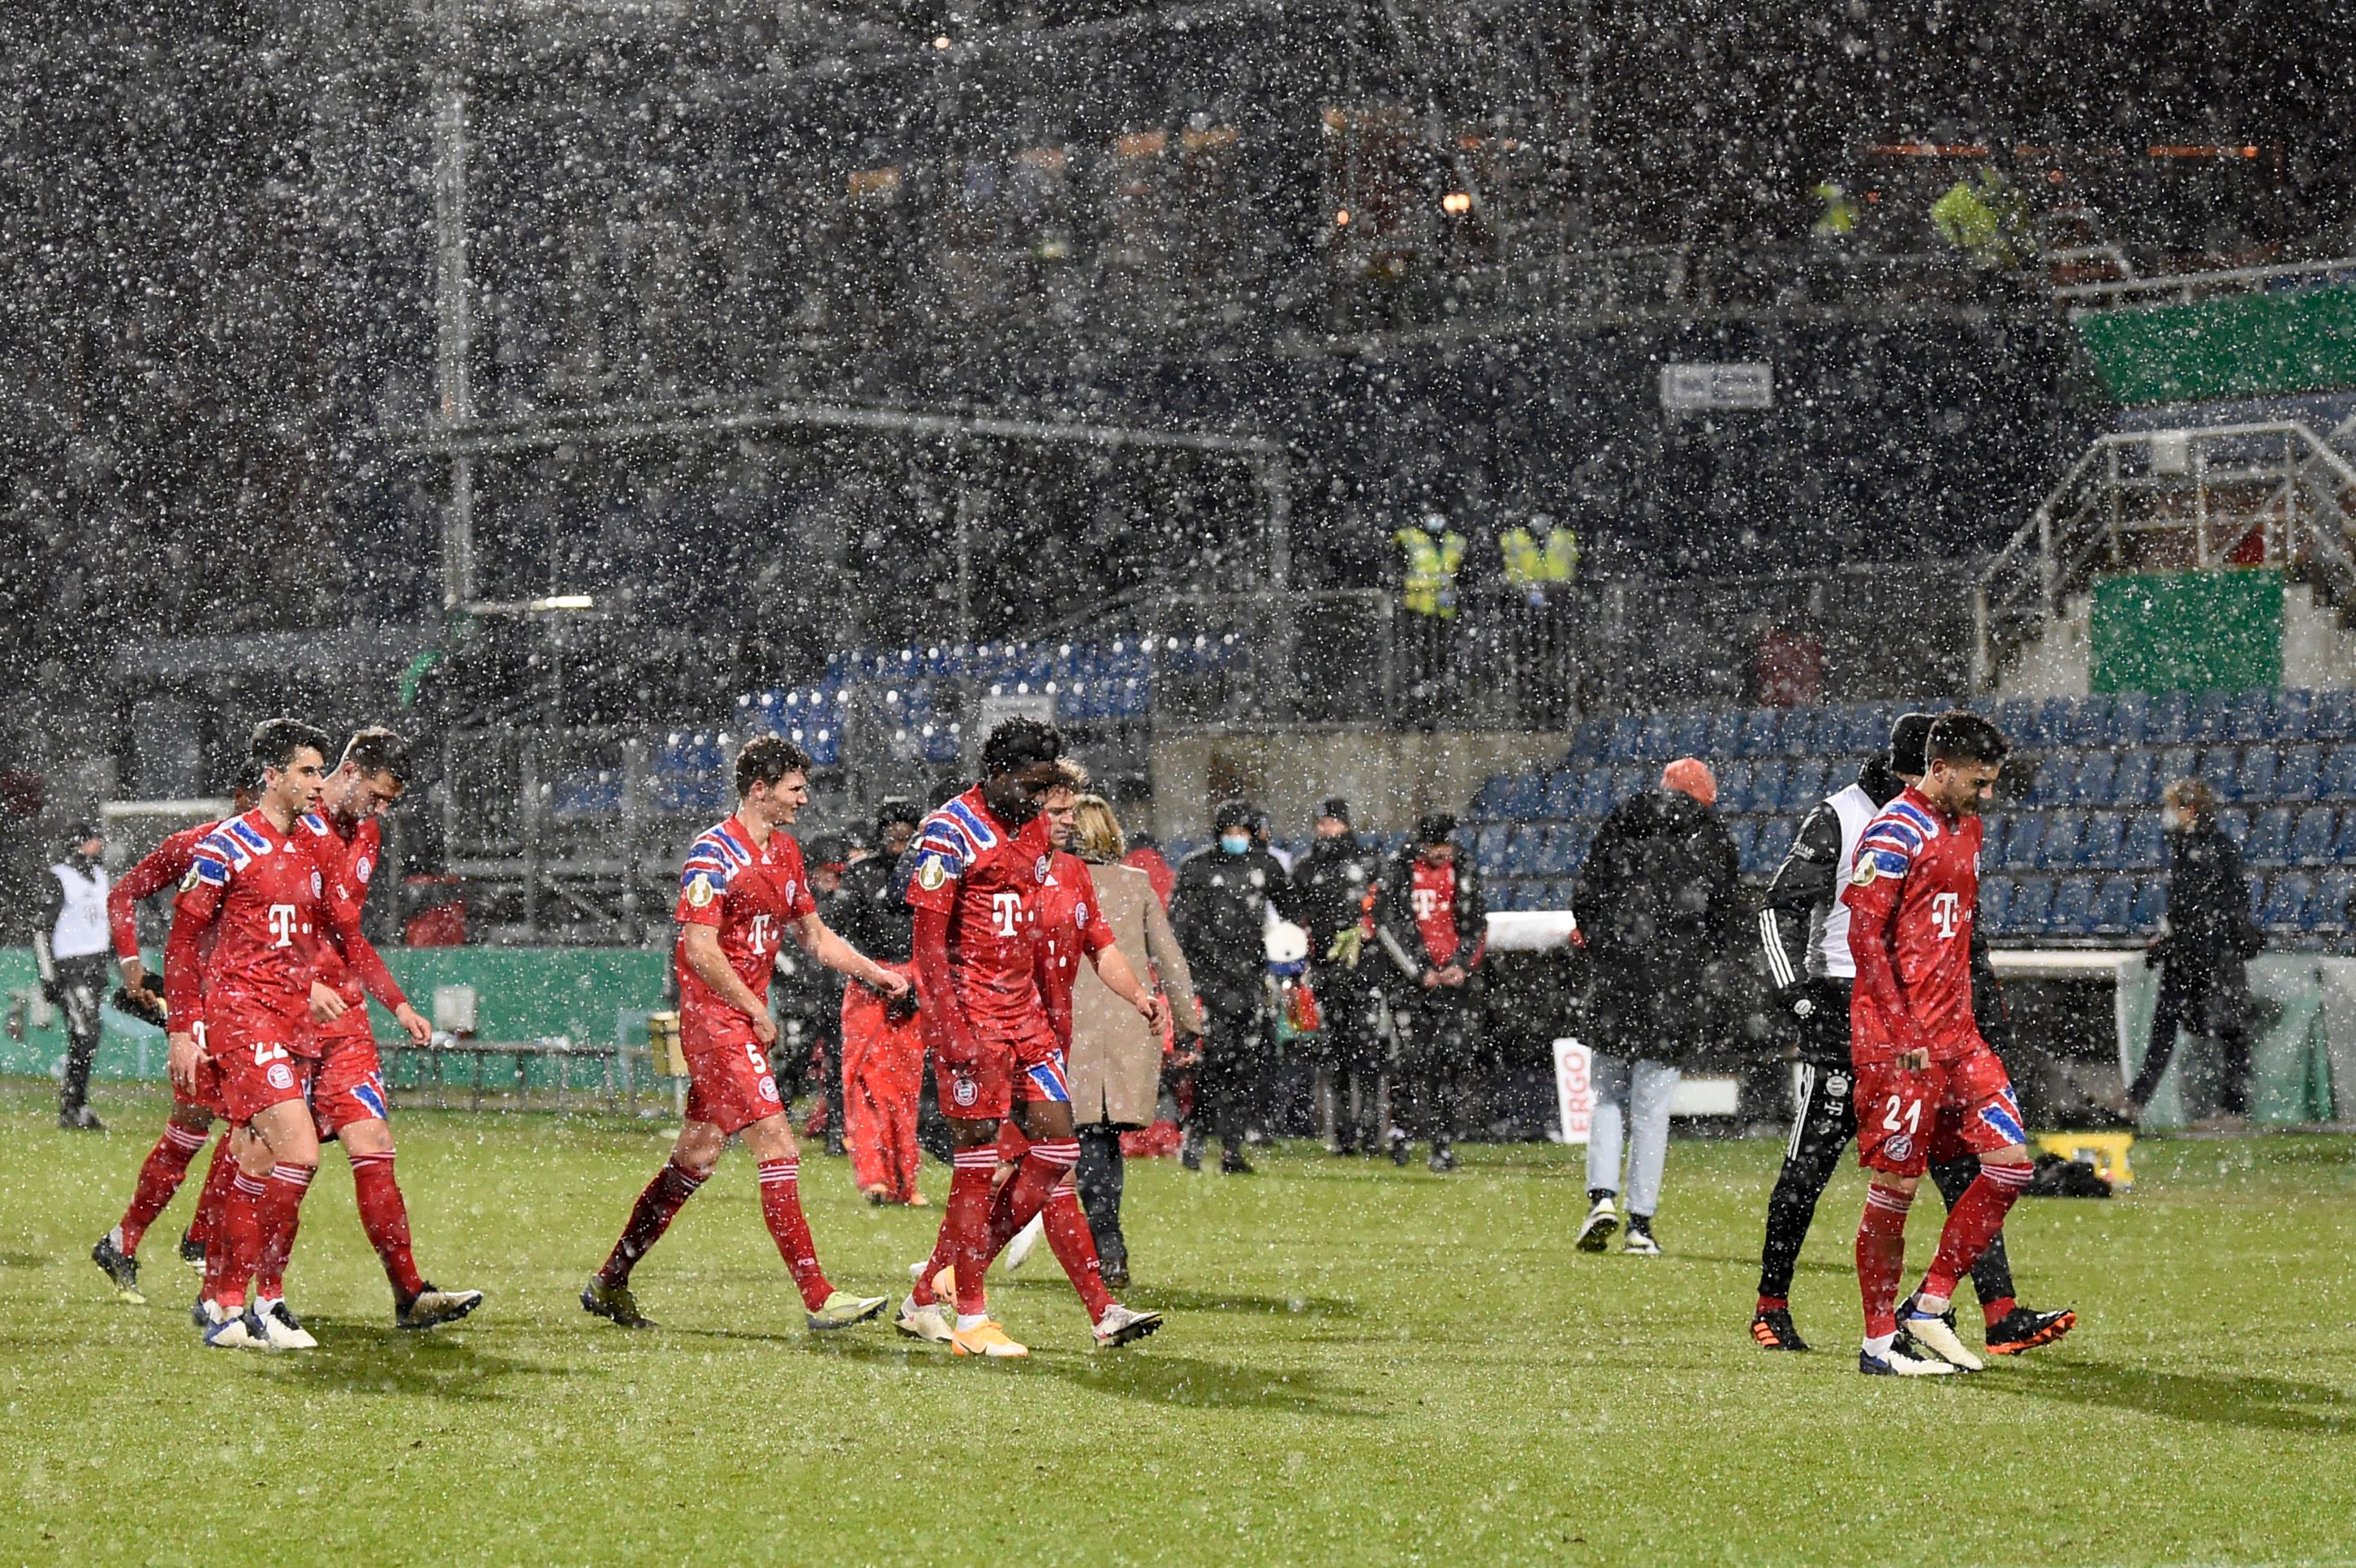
(1909, 1107)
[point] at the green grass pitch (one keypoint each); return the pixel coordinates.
(1361, 1364)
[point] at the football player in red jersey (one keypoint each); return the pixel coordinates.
(347, 1098)
(743, 891)
(256, 890)
(973, 876)
(1928, 1087)
(167, 1164)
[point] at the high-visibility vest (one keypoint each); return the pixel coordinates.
(1983, 220)
(1837, 217)
(1431, 565)
(1529, 565)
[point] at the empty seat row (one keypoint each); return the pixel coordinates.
(2309, 770)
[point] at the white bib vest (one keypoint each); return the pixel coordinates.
(1828, 955)
(82, 924)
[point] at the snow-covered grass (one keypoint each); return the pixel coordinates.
(1361, 1364)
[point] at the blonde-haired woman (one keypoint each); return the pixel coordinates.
(1116, 1062)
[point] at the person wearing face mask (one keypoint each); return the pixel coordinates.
(2204, 941)
(1219, 911)
(71, 945)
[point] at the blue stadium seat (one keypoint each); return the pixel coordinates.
(2269, 840)
(2022, 840)
(2298, 773)
(2326, 912)
(2331, 714)
(2049, 777)
(1996, 902)
(2114, 906)
(1758, 733)
(1489, 801)
(2234, 823)
(1767, 786)
(2072, 910)
(2340, 775)
(2151, 903)
(1993, 827)
(1527, 798)
(1547, 859)
(1522, 851)
(1658, 742)
(1562, 792)
(2124, 725)
(2248, 713)
(1590, 741)
(1579, 837)
(1795, 731)
(2032, 897)
(1807, 783)
(2147, 843)
(2310, 836)
(1627, 737)
(2097, 780)
(2057, 721)
(2343, 847)
(2212, 720)
(2284, 911)
(2221, 770)
(2105, 839)
(1734, 787)
(2061, 850)
(2132, 784)
(2021, 721)
(1723, 737)
(2287, 712)
(1489, 850)
(2256, 780)
(1744, 831)
(2091, 720)
(1595, 795)
(1689, 734)
(1632, 778)
(2167, 719)
(2173, 763)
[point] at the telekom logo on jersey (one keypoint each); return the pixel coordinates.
(1005, 912)
(762, 937)
(281, 925)
(1947, 913)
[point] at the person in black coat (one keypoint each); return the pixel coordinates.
(1335, 883)
(1658, 911)
(1432, 920)
(1218, 911)
(2205, 940)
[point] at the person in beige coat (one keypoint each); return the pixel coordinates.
(1116, 1062)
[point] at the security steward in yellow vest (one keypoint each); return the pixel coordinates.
(1429, 585)
(1539, 560)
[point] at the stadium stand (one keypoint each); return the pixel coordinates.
(2075, 854)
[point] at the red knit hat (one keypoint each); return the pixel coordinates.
(1691, 775)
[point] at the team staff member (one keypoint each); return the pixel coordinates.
(1335, 882)
(2205, 941)
(1433, 922)
(71, 946)
(882, 1044)
(1219, 911)
(1803, 926)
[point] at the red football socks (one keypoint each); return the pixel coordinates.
(781, 1206)
(385, 1218)
(1075, 1246)
(218, 1175)
(964, 1239)
(650, 1217)
(1973, 1223)
(1881, 1256)
(1773, 1303)
(237, 1241)
(1025, 1192)
(1996, 1311)
(281, 1210)
(160, 1176)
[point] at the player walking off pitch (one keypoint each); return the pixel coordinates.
(743, 890)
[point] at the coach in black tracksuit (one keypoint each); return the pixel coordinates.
(1334, 883)
(1804, 927)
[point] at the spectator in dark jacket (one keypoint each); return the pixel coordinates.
(1335, 882)
(2205, 940)
(1657, 906)
(1219, 911)
(1432, 920)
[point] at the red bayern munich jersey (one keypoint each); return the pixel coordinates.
(750, 894)
(1912, 901)
(985, 877)
(1071, 929)
(351, 856)
(262, 894)
(158, 869)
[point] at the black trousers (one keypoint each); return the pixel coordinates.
(1821, 1133)
(81, 986)
(1100, 1177)
(1435, 1049)
(1354, 1047)
(1231, 1086)
(2208, 1005)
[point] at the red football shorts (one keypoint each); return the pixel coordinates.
(254, 1050)
(1908, 1121)
(350, 1086)
(207, 1096)
(1025, 1062)
(728, 1085)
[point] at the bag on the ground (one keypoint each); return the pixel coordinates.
(2057, 1177)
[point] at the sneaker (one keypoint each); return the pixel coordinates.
(281, 1329)
(1399, 1147)
(1018, 1252)
(930, 1323)
(1233, 1163)
(1190, 1151)
(986, 1339)
(1119, 1325)
(84, 1120)
(1444, 1159)
(432, 1305)
(1639, 1242)
(1936, 1334)
(842, 1309)
(192, 1252)
(225, 1330)
(615, 1302)
(1596, 1233)
(120, 1267)
(2025, 1329)
(1772, 1330)
(1895, 1363)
